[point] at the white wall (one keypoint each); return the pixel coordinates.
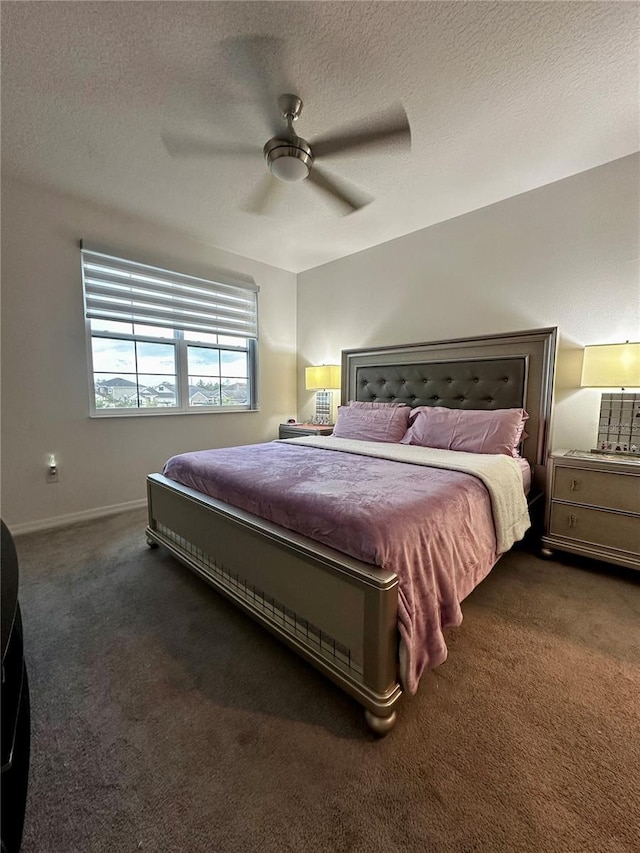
(45, 397)
(564, 255)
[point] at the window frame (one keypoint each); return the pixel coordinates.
(181, 345)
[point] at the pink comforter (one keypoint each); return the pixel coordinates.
(431, 527)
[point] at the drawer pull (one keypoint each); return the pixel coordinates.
(573, 520)
(575, 484)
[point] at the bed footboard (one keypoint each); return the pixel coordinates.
(339, 613)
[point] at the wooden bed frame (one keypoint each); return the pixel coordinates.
(337, 612)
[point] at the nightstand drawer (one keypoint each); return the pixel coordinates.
(599, 527)
(297, 430)
(287, 432)
(597, 488)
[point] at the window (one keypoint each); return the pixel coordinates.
(162, 342)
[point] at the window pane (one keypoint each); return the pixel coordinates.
(203, 361)
(226, 341)
(201, 337)
(115, 391)
(153, 331)
(203, 391)
(233, 364)
(234, 393)
(156, 358)
(156, 390)
(110, 326)
(113, 356)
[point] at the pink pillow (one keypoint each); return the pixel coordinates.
(388, 423)
(371, 404)
(469, 430)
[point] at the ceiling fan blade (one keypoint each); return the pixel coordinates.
(180, 146)
(257, 61)
(395, 125)
(264, 196)
(348, 198)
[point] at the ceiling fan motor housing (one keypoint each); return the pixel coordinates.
(289, 159)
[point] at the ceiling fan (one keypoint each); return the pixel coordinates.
(290, 158)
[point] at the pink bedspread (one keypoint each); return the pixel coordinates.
(431, 527)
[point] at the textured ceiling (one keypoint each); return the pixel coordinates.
(501, 97)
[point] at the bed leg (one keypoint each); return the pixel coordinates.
(380, 726)
(152, 543)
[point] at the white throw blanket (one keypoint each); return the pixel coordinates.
(501, 475)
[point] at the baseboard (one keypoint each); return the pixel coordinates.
(73, 517)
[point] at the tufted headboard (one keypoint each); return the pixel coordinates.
(490, 372)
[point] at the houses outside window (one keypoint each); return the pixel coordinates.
(162, 342)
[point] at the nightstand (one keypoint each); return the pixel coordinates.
(593, 507)
(296, 430)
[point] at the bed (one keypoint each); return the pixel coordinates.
(342, 613)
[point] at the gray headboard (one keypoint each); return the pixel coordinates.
(490, 372)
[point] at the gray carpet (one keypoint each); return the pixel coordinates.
(166, 720)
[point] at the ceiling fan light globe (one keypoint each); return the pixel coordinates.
(289, 168)
(289, 159)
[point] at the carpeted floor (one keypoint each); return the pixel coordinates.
(165, 720)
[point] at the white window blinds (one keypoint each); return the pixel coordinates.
(131, 292)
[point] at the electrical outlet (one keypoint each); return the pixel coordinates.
(52, 469)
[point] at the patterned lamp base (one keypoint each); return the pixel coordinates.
(324, 408)
(619, 426)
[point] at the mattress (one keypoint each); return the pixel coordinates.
(433, 527)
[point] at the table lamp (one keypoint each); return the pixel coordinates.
(615, 366)
(323, 379)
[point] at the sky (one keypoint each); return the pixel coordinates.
(119, 357)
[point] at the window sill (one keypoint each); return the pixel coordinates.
(200, 410)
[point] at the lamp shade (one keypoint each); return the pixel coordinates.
(323, 376)
(611, 366)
